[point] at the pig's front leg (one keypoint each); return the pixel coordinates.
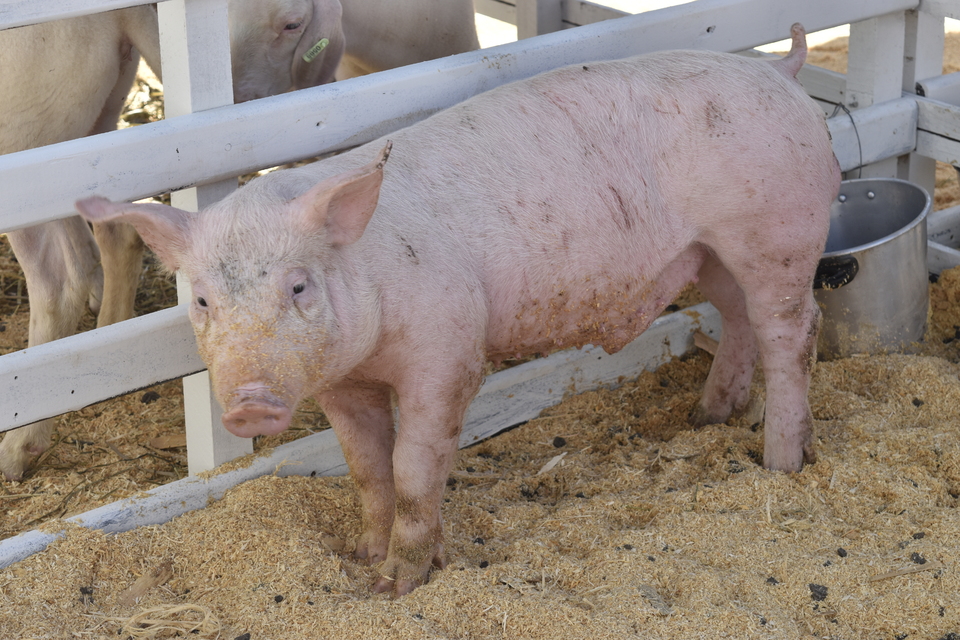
(362, 418)
(431, 418)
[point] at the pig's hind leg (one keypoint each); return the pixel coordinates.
(121, 249)
(60, 262)
(787, 332)
(785, 319)
(122, 257)
(362, 418)
(727, 389)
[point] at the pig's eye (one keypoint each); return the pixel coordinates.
(297, 288)
(292, 26)
(201, 302)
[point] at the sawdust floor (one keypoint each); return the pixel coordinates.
(643, 529)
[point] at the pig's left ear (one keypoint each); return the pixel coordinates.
(163, 228)
(344, 203)
(321, 46)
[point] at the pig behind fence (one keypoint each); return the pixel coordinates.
(554, 212)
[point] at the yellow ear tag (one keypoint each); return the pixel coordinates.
(315, 50)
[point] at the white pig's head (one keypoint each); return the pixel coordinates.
(278, 45)
(274, 318)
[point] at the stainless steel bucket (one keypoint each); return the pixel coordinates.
(871, 283)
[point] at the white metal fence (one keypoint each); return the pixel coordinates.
(895, 47)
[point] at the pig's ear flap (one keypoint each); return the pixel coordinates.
(163, 228)
(343, 204)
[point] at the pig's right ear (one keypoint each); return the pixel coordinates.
(343, 204)
(163, 228)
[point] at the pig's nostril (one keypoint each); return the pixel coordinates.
(253, 417)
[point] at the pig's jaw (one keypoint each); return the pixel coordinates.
(254, 411)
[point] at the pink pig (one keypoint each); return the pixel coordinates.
(553, 212)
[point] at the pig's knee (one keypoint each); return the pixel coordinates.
(60, 263)
(55, 316)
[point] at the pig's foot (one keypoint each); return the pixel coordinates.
(789, 450)
(20, 446)
(371, 548)
(752, 412)
(701, 417)
(404, 572)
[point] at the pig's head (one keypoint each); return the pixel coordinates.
(278, 45)
(274, 317)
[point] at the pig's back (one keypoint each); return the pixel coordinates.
(575, 190)
(642, 150)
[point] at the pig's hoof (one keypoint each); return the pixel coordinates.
(791, 453)
(15, 460)
(397, 588)
(13, 473)
(400, 577)
(784, 462)
(700, 417)
(370, 552)
(14, 466)
(20, 446)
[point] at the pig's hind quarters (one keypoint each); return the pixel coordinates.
(766, 308)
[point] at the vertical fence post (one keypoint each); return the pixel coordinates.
(195, 50)
(536, 17)
(923, 58)
(875, 72)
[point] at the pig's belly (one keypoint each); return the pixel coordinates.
(589, 308)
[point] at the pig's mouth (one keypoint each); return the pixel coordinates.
(256, 413)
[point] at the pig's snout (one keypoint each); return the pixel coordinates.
(256, 413)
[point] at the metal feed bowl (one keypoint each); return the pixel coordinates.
(872, 283)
